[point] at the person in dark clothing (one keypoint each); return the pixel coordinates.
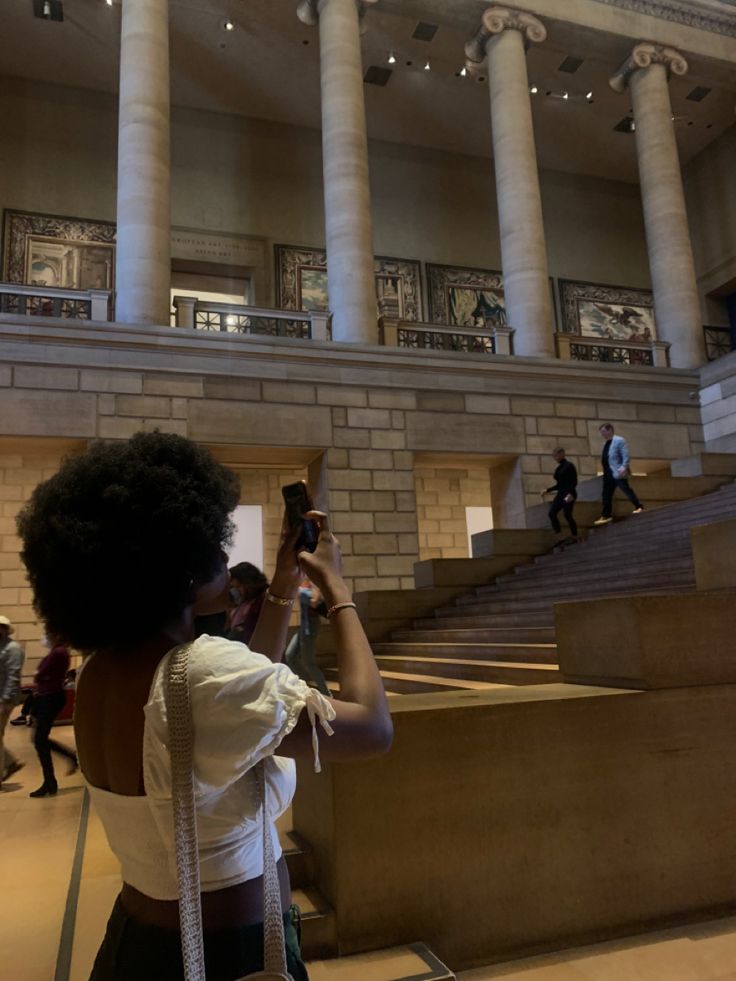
(615, 460)
(565, 491)
(48, 700)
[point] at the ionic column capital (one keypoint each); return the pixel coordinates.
(643, 56)
(496, 20)
(308, 10)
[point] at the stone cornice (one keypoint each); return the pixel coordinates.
(681, 12)
(496, 20)
(642, 56)
(308, 10)
(50, 341)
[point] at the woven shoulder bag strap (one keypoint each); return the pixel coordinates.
(179, 714)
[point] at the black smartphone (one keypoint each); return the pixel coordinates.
(296, 499)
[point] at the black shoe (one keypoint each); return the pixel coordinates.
(45, 790)
(20, 721)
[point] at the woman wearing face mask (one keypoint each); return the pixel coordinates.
(49, 699)
(248, 588)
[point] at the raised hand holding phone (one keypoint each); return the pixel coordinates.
(298, 503)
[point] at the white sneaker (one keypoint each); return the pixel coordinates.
(602, 521)
(637, 510)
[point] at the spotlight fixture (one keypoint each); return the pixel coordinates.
(589, 96)
(633, 125)
(227, 25)
(565, 95)
(48, 9)
(534, 90)
(391, 58)
(427, 66)
(109, 3)
(463, 72)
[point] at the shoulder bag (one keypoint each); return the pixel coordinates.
(179, 715)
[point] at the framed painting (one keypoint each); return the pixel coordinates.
(616, 313)
(464, 297)
(54, 251)
(301, 282)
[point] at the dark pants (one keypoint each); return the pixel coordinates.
(610, 483)
(45, 709)
(133, 951)
(559, 504)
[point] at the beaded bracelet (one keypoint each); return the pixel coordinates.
(278, 600)
(340, 606)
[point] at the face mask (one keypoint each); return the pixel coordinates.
(234, 595)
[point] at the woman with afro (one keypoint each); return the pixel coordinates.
(124, 547)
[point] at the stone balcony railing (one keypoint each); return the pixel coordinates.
(46, 301)
(441, 337)
(233, 318)
(577, 347)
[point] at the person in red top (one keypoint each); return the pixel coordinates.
(49, 699)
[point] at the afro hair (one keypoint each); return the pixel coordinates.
(115, 541)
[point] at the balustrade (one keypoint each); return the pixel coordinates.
(577, 347)
(49, 301)
(235, 318)
(441, 337)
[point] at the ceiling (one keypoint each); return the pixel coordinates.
(268, 68)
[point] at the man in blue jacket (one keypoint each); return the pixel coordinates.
(615, 460)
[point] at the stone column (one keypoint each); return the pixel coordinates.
(676, 303)
(501, 40)
(143, 262)
(348, 229)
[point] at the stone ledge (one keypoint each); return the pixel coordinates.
(648, 642)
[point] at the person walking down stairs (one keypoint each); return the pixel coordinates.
(616, 470)
(565, 491)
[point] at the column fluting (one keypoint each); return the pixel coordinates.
(143, 257)
(676, 303)
(348, 226)
(501, 41)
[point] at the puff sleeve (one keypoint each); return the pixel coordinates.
(243, 705)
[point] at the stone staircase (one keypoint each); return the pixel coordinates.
(502, 633)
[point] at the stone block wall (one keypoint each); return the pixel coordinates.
(20, 471)
(442, 495)
(384, 435)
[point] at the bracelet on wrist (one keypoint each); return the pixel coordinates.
(340, 606)
(279, 600)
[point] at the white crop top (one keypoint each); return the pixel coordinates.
(242, 707)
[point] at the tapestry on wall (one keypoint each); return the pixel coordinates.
(301, 282)
(464, 297)
(616, 313)
(53, 251)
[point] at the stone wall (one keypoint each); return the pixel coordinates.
(389, 438)
(266, 180)
(443, 493)
(718, 404)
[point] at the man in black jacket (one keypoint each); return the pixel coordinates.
(565, 491)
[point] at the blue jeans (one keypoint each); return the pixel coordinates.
(300, 654)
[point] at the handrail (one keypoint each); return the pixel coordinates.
(410, 333)
(89, 304)
(575, 347)
(193, 313)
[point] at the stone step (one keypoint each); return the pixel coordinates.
(319, 925)
(298, 855)
(658, 487)
(527, 653)
(587, 558)
(496, 672)
(544, 605)
(637, 575)
(477, 635)
(704, 465)
(460, 619)
(412, 962)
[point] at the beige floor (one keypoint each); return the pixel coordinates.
(38, 838)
